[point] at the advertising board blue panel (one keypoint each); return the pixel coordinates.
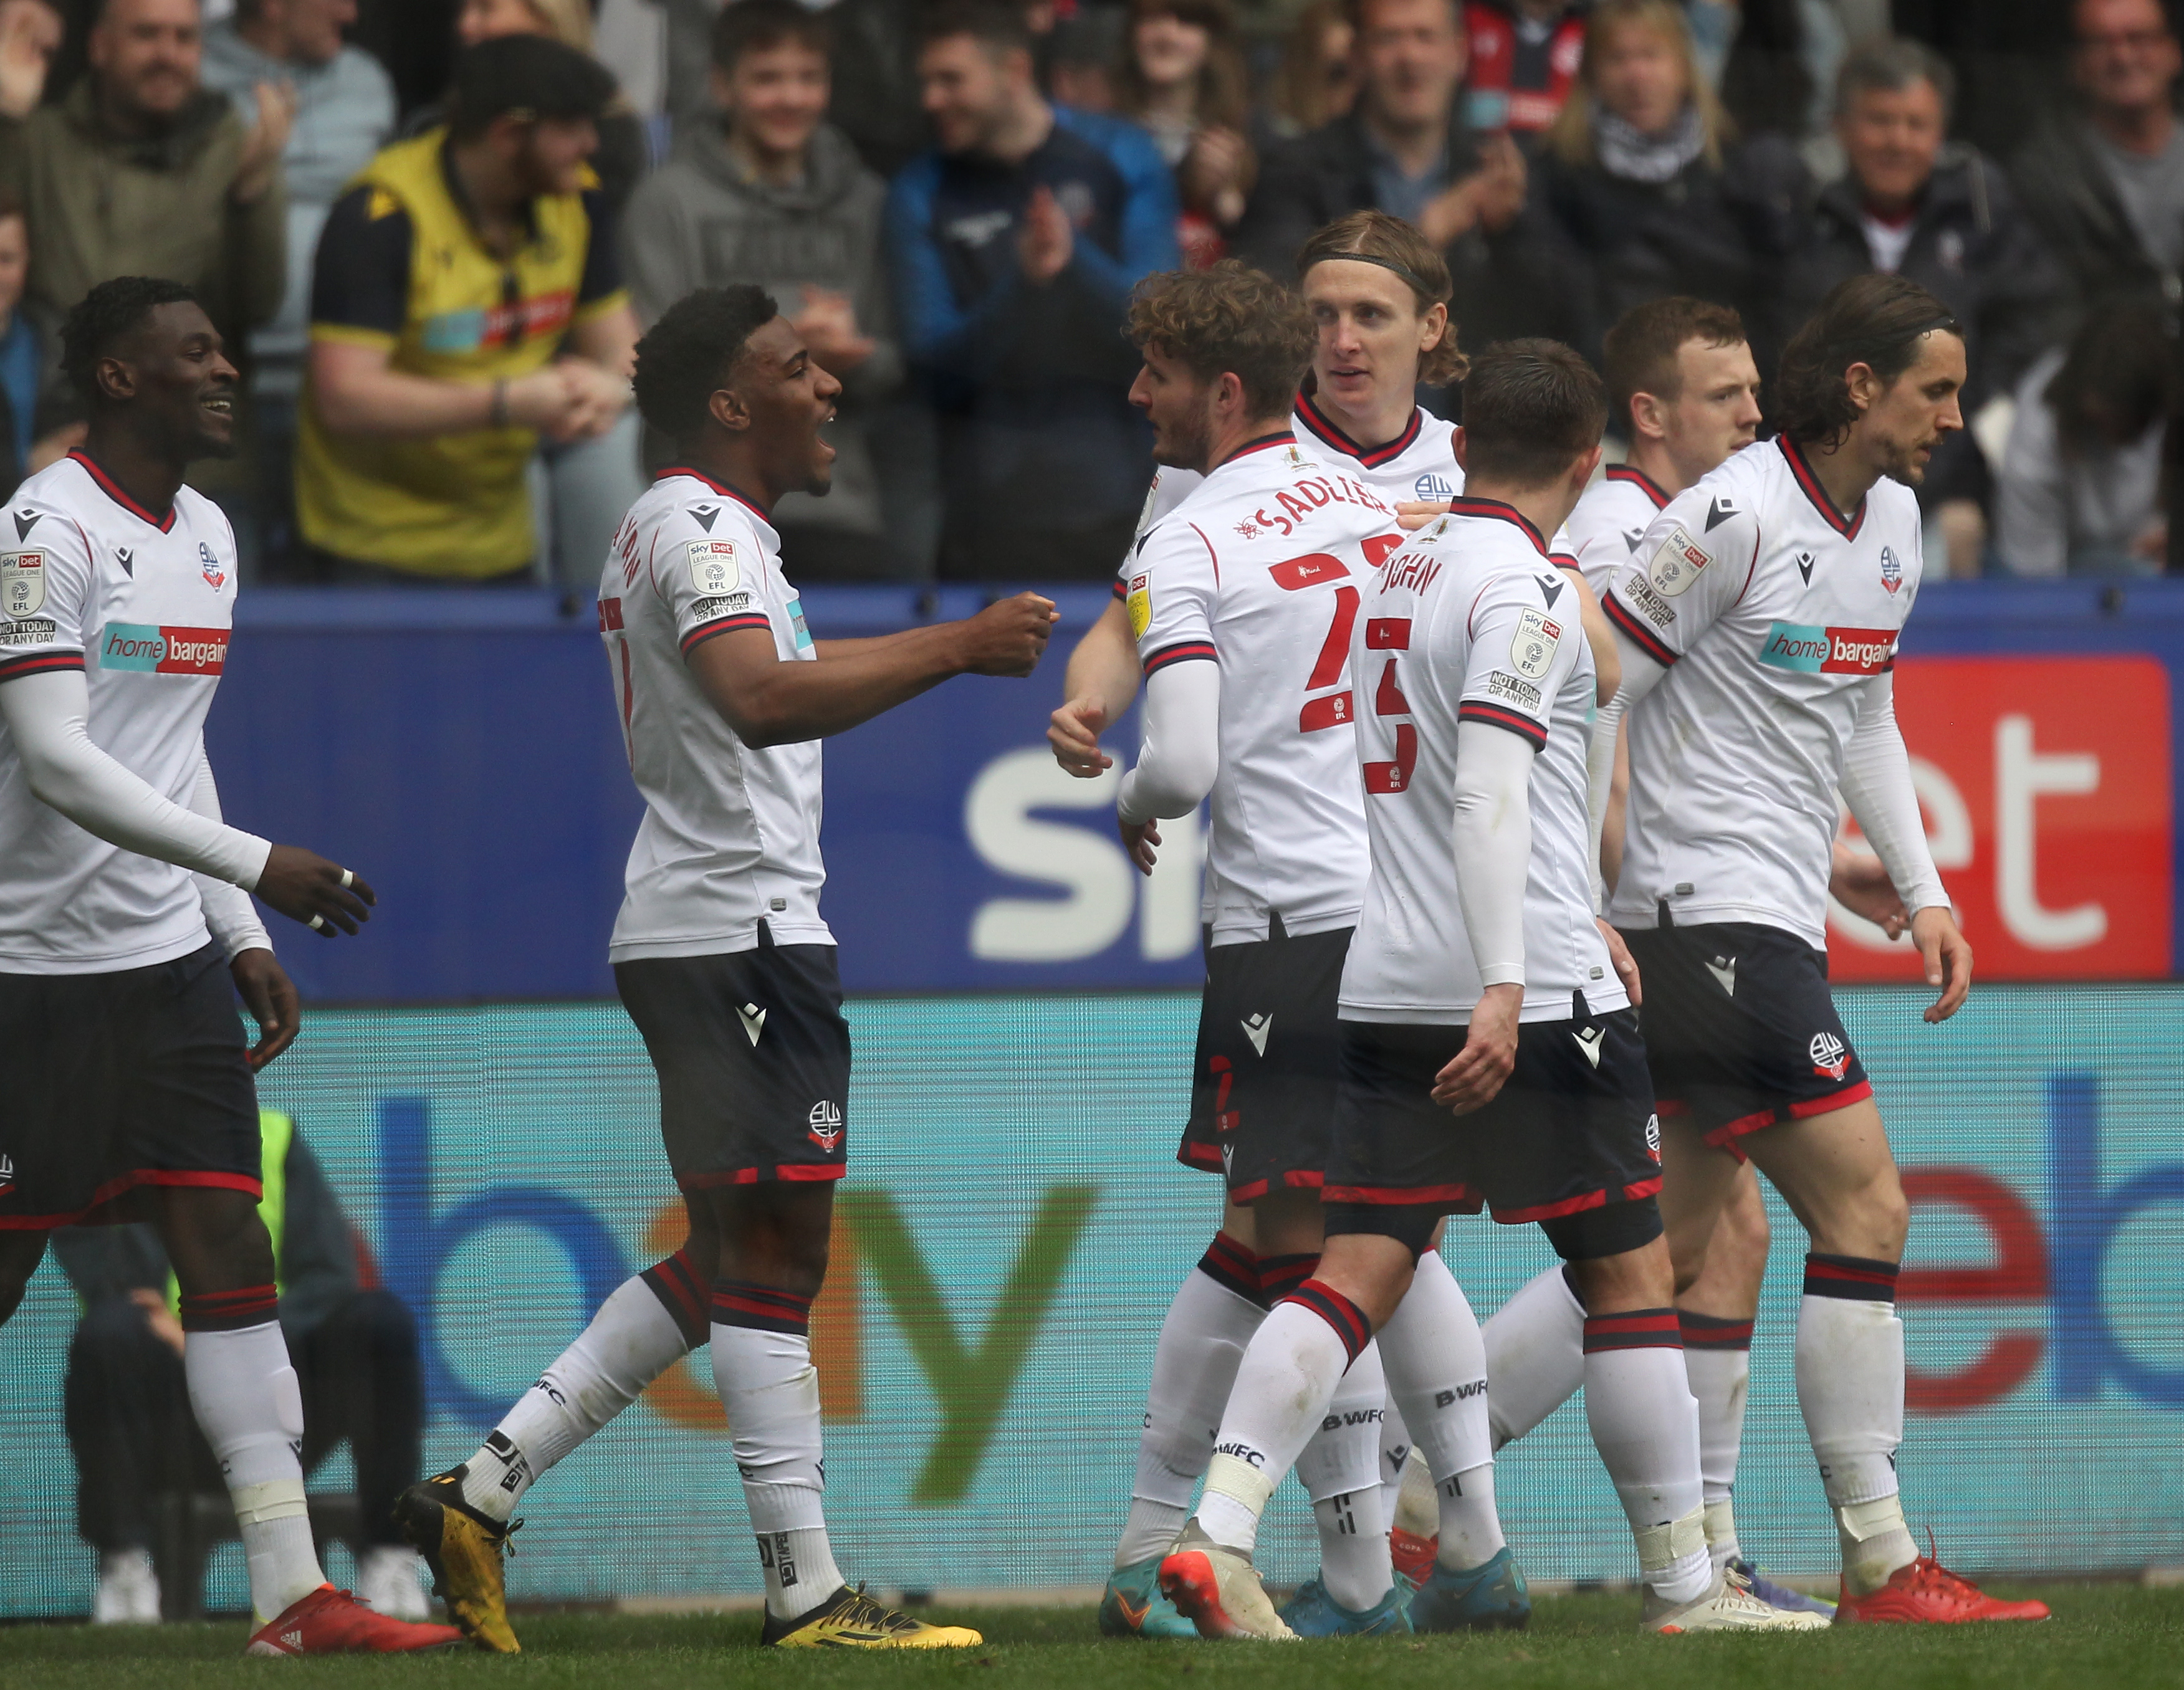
(461, 751)
(1014, 1227)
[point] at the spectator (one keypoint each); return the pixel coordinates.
(623, 154)
(466, 300)
(1524, 56)
(344, 111)
(1316, 82)
(1015, 245)
(1084, 62)
(2105, 184)
(1944, 216)
(877, 101)
(32, 435)
(767, 192)
(1403, 151)
(1184, 83)
(353, 1344)
(140, 170)
(2081, 488)
(1640, 175)
(30, 34)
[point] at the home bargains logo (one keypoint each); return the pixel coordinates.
(1828, 651)
(162, 651)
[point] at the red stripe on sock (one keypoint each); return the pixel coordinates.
(1634, 1329)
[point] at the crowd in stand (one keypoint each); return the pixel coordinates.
(435, 229)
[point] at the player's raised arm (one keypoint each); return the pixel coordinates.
(744, 404)
(770, 702)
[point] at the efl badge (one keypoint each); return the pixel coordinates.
(214, 575)
(1533, 651)
(1891, 570)
(1141, 605)
(714, 569)
(1677, 563)
(22, 583)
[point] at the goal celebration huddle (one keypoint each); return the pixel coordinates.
(1523, 781)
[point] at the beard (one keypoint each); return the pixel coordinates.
(1905, 464)
(1184, 445)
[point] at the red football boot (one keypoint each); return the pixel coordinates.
(1413, 1556)
(330, 1622)
(1927, 1594)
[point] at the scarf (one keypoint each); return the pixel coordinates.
(1654, 159)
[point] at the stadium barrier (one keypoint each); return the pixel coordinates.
(463, 753)
(1015, 1226)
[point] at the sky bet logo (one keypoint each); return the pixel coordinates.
(162, 651)
(1828, 651)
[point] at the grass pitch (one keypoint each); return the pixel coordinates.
(2104, 1637)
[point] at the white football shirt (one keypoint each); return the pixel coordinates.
(91, 580)
(1610, 521)
(731, 833)
(1776, 615)
(1259, 569)
(1417, 464)
(1471, 622)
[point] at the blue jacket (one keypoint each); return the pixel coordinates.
(967, 319)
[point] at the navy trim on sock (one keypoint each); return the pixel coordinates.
(230, 1311)
(1231, 1267)
(1633, 1329)
(763, 1307)
(682, 1293)
(1345, 1317)
(1854, 1279)
(1279, 1276)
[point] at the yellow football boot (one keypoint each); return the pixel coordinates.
(466, 1551)
(850, 1620)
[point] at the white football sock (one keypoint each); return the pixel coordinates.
(1436, 1357)
(251, 1411)
(1535, 1355)
(1719, 1379)
(1850, 1385)
(1340, 1471)
(1201, 1343)
(1395, 1457)
(1287, 1379)
(1645, 1426)
(630, 1341)
(770, 1391)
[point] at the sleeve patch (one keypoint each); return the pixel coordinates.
(717, 571)
(22, 584)
(1532, 650)
(1140, 601)
(1676, 564)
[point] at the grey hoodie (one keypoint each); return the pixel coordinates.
(700, 221)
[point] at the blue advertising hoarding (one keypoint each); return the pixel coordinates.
(461, 751)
